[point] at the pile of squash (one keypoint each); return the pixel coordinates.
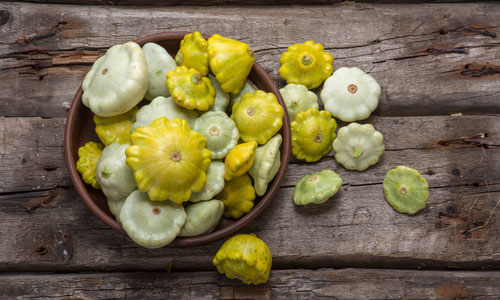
(176, 165)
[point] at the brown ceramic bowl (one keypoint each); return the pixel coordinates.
(80, 130)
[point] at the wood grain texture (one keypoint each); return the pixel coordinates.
(356, 228)
(46, 226)
(360, 284)
(233, 2)
(31, 154)
(430, 58)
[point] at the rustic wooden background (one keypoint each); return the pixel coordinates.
(439, 66)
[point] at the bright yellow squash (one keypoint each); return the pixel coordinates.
(87, 162)
(258, 116)
(238, 196)
(240, 160)
(193, 53)
(169, 160)
(245, 257)
(190, 89)
(313, 132)
(306, 64)
(115, 129)
(230, 61)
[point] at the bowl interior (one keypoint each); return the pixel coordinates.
(80, 130)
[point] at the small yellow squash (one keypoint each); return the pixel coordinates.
(115, 129)
(313, 132)
(240, 160)
(230, 61)
(193, 53)
(190, 89)
(238, 196)
(306, 64)
(245, 257)
(258, 116)
(169, 160)
(87, 162)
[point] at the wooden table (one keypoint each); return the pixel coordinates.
(439, 66)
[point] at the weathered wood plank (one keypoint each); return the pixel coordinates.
(32, 156)
(231, 2)
(429, 58)
(360, 284)
(356, 228)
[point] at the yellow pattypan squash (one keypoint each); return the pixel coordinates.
(313, 132)
(238, 196)
(115, 129)
(190, 89)
(245, 257)
(193, 53)
(169, 160)
(258, 116)
(240, 160)
(87, 162)
(230, 61)
(306, 64)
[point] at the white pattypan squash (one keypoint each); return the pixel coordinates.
(219, 130)
(298, 98)
(113, 174)
(317, 187)
(162, 107)
(214, 185)
(202, 217)
(115, 207)
(151, 224)
(248, 88)
(266, 165)
(117, 81)
(159, 63)
(350, 94)
(221, 98)
(358, 146)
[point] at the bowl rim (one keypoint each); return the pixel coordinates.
(264, 201)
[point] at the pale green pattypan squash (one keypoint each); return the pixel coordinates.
(258, 116)
(248, 88)
(88, 155)
(230, 61)
(316, 188)
(245, 257)
(240, 160)
(151, 224)
(202, 217)
(350, 94)
(113, 174)
(115, 129)
(306, 64)
(238, 196)
(159, 64)
(406, 190)
(190, 89)
(219, 130)
(117, 81)
(162, 107)
(266, 165)
(169, 160)
(221, 98)
(115, 207)
(297, 99)
(312, 134)
(193, 53)
(358, 146)
(214, 185)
